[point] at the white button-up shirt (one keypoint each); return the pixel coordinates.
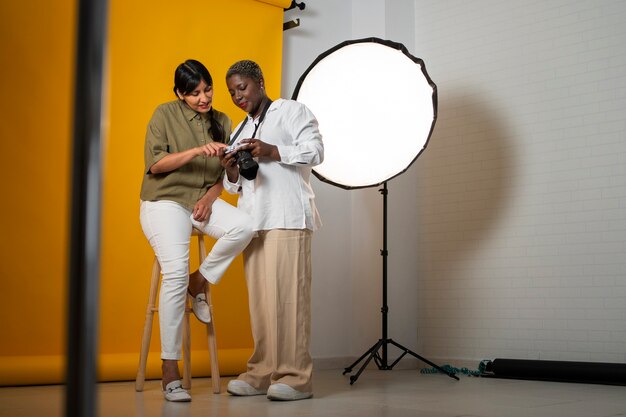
(281, 196)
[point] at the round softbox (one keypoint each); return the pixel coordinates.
(376, 107)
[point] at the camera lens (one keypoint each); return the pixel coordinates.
(248, 167)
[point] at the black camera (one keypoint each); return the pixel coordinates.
(248, 167)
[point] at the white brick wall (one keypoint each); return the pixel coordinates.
(522, 190)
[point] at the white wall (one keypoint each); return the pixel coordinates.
(323, 26)
(522, 196)
(507, 236)
(346, 252)
(347, 263)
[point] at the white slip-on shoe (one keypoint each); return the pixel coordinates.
(283, 392)
(201, 308)
(242, 388)
(175, 392)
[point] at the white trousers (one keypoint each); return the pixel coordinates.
(167, 226)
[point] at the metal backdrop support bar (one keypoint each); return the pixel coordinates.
(372, 353)
(84, 262)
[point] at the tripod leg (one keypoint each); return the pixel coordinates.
(373, 352)
(439, 368)
(373, 348)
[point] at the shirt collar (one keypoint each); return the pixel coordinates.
(187, 111)
(273, 106)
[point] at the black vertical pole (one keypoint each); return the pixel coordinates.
(384, 253)
(84, 262)
(372, 353)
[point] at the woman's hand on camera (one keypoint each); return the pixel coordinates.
(260, 149)
(211, 149)
(229, 162)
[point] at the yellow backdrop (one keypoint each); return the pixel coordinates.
(147, 40)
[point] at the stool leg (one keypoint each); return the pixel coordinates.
(147, 327)
(186, 349)
(210, 327)
(215, 369)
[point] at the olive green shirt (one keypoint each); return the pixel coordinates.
(175, 127)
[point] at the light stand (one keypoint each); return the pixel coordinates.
(382, 344)
(380, 78)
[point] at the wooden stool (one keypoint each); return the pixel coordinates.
(147, 329)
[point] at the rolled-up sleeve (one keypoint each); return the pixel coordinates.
(232, 187)
(307, 147)
(156, 145)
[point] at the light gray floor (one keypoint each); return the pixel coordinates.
(396, 393)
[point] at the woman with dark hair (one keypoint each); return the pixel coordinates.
(180, 191)
(283, 136)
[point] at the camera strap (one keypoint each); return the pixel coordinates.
(256, 126)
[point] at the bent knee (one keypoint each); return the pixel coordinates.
(247, 230)
(175, 271)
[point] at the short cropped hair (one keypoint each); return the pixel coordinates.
(245, 68)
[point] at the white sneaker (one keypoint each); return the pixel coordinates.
(242, 388)
(175, 392)
(283, 392)
(201, 308)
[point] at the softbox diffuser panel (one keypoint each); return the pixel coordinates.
(376, 108)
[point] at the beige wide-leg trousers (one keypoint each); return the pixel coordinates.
(278, 273)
